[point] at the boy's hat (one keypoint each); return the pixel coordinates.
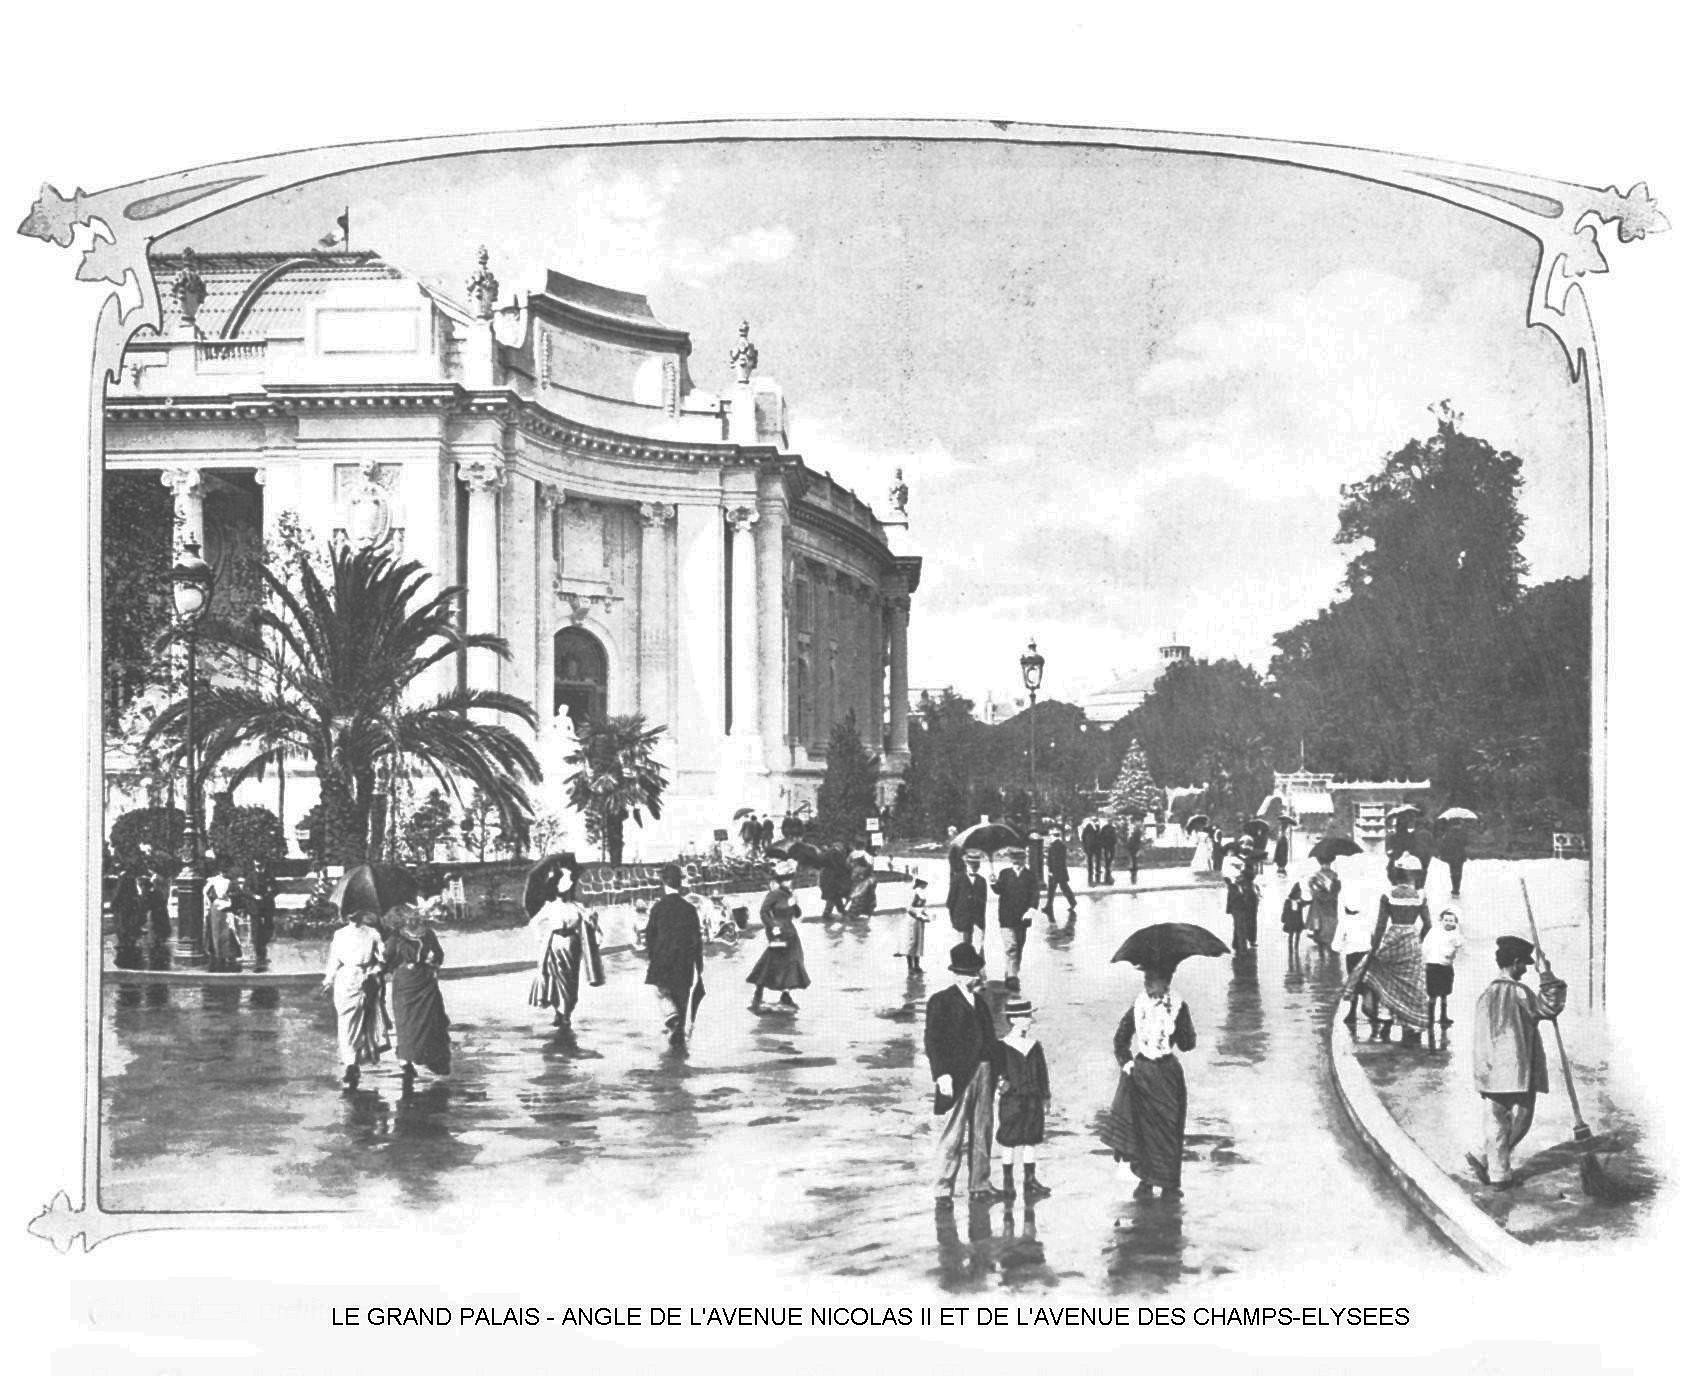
(973, 856)
(1510, 948)
(1016, 852)
(1018, 1008)
(966, 960)
(671, 876)
(1409, 861)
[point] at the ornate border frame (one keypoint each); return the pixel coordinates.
(120, 223)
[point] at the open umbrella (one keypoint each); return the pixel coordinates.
(1258, 828)
(802, 851)
(987, 836)
(1405, 810)
(1198, 822)
(374, 888)
(1334, 848)
(741, 812)
(1457, 814)
(1272, 808)
(1162, 945)
(539, 884)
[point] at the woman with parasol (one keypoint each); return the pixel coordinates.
(412, 959)
(781, 965)
(566, 935)
(1146, 1123)
(1243, 900)
(354, 961)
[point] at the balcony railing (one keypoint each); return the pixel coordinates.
(229, 355)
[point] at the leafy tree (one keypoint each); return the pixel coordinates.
(241, 835)
(330, 666)
(618, 778)
(426, 826)
(161, 829)
(136, 522)
(847, 795)
(1135, 790)
(475, 823)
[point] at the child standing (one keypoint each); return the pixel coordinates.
(1294, 918)
(1441, 944)
(1024, 1090)
(916, 922)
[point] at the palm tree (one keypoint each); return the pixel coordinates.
(617, 778)
(328, 669)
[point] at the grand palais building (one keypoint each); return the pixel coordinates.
(643, 544)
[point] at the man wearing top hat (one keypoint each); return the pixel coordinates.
(1017, 894)
(966, 904)
(1508, 1061)
(675, 955)
(961, 1043)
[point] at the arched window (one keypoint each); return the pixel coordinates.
(580, 675)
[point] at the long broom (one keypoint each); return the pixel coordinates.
(1582, 1131)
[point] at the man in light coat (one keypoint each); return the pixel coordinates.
(1508, 1061)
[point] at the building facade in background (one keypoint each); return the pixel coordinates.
(644, 545)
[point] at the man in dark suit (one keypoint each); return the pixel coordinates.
(1134, 844)
(1056, 873)
(675, 956)
(966, 905)
(1090, 840)
(1017, 894)
(1107, 839)
(961, 1042)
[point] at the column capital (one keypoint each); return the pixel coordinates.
(550, 496)
(183, 482)
(261, 475)
(482, 475)
(898, 603)
(742, 518)
(657, 515)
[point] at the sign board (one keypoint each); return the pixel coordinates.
(872, 824)
(720, 835)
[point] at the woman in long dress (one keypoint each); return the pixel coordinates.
(412, 959)
(1395, 969)
(861, 901)
(354, 962)
(1202, 854)
(1324, 890)
(1146, 1124)
(781, 965)
(566, 938)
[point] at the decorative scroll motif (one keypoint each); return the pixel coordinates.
(550, 496)
(482, 475)
(657, 514)
(744, 357)
(184, 483)
(483, 288)
(742, 518)
(583, 603)
(367, 510)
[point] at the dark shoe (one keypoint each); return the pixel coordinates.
(986, 1194)
(1009, 1190)
(352, 1077)
(408, 1076)
(1446, 1020)
(1143, 1190)
(787, 1002)
(1032, 1187)
(1502, 1184)
(1409, 1036)
(1353, 1019)
(1012, 984)
(1479, 1167)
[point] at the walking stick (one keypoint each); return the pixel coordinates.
(1582, 1131)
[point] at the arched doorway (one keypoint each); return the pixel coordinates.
(580, 675)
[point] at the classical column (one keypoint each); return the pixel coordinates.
(744, 621)
(655, 650)
(484, 478)
(187, 485)
(550, 499)
(899, 679)
(773, 628)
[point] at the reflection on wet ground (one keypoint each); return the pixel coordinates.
(804, 1134)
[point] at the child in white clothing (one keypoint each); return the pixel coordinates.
(1441, 944)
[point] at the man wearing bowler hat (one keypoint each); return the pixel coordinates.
(961, 1043)
(1508, 1060)
(1017, 894)
(675, 954)
(966, 904)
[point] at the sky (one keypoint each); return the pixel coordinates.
(1124, 387)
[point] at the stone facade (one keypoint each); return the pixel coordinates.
(643, 545)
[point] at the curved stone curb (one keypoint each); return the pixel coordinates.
(1432, 1192)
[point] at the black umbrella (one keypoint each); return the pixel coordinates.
(1198, 822)
(1405, 810)
(1334, 848)
(1257, 828)
(374, 888)
(1162, 945)
(987, 836)
(539, 884)
(802, 851)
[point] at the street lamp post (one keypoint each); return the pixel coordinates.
(1032, 675)
(193, 580)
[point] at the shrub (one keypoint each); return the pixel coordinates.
(161, 828)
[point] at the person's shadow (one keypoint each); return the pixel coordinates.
(1147, 1250)
(960, 1264)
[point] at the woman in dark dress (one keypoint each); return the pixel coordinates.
(412, 959)
(782, 964)
(1146, 1124)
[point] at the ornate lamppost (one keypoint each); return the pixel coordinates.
(1032, 675)
(193, 581)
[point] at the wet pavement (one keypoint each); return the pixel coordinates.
(803, 1138)
(1429, 1090)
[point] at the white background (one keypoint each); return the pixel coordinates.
(97, 96)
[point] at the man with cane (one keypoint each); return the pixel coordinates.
(1508, 1061)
